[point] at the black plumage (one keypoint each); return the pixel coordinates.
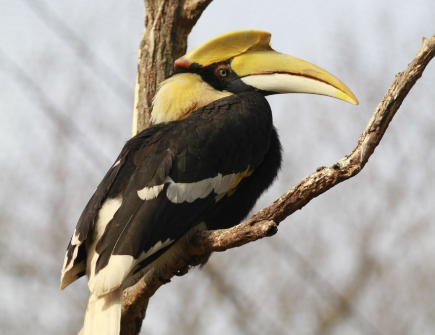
(233, 135)
(210, 155)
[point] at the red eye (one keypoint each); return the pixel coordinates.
(221, 71)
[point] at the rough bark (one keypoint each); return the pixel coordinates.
(168, 22)
(167, 25)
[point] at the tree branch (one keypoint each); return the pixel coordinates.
(265, 222)
(325, 178)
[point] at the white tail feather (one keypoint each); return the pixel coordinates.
(103, 314)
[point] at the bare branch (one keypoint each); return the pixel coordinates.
(224, 239)
(264, 222)
(325, 178)
(194, 8)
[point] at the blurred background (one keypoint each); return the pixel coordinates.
(357, 260)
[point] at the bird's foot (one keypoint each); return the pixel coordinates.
(198, 260)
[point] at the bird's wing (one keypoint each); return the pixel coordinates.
(76, 255)
(175, 182)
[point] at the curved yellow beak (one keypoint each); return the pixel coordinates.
(275, 72)
(259, 67)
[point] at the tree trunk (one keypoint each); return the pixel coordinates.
(167, 25)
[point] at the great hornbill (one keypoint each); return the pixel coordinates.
(211, 152)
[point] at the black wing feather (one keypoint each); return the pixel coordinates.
(224, 137)
(113, 183)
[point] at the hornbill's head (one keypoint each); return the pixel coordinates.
(235, 62)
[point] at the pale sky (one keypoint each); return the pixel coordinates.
(67, 74)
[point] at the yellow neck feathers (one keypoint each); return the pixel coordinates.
(181, 95)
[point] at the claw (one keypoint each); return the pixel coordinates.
(182, 271)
